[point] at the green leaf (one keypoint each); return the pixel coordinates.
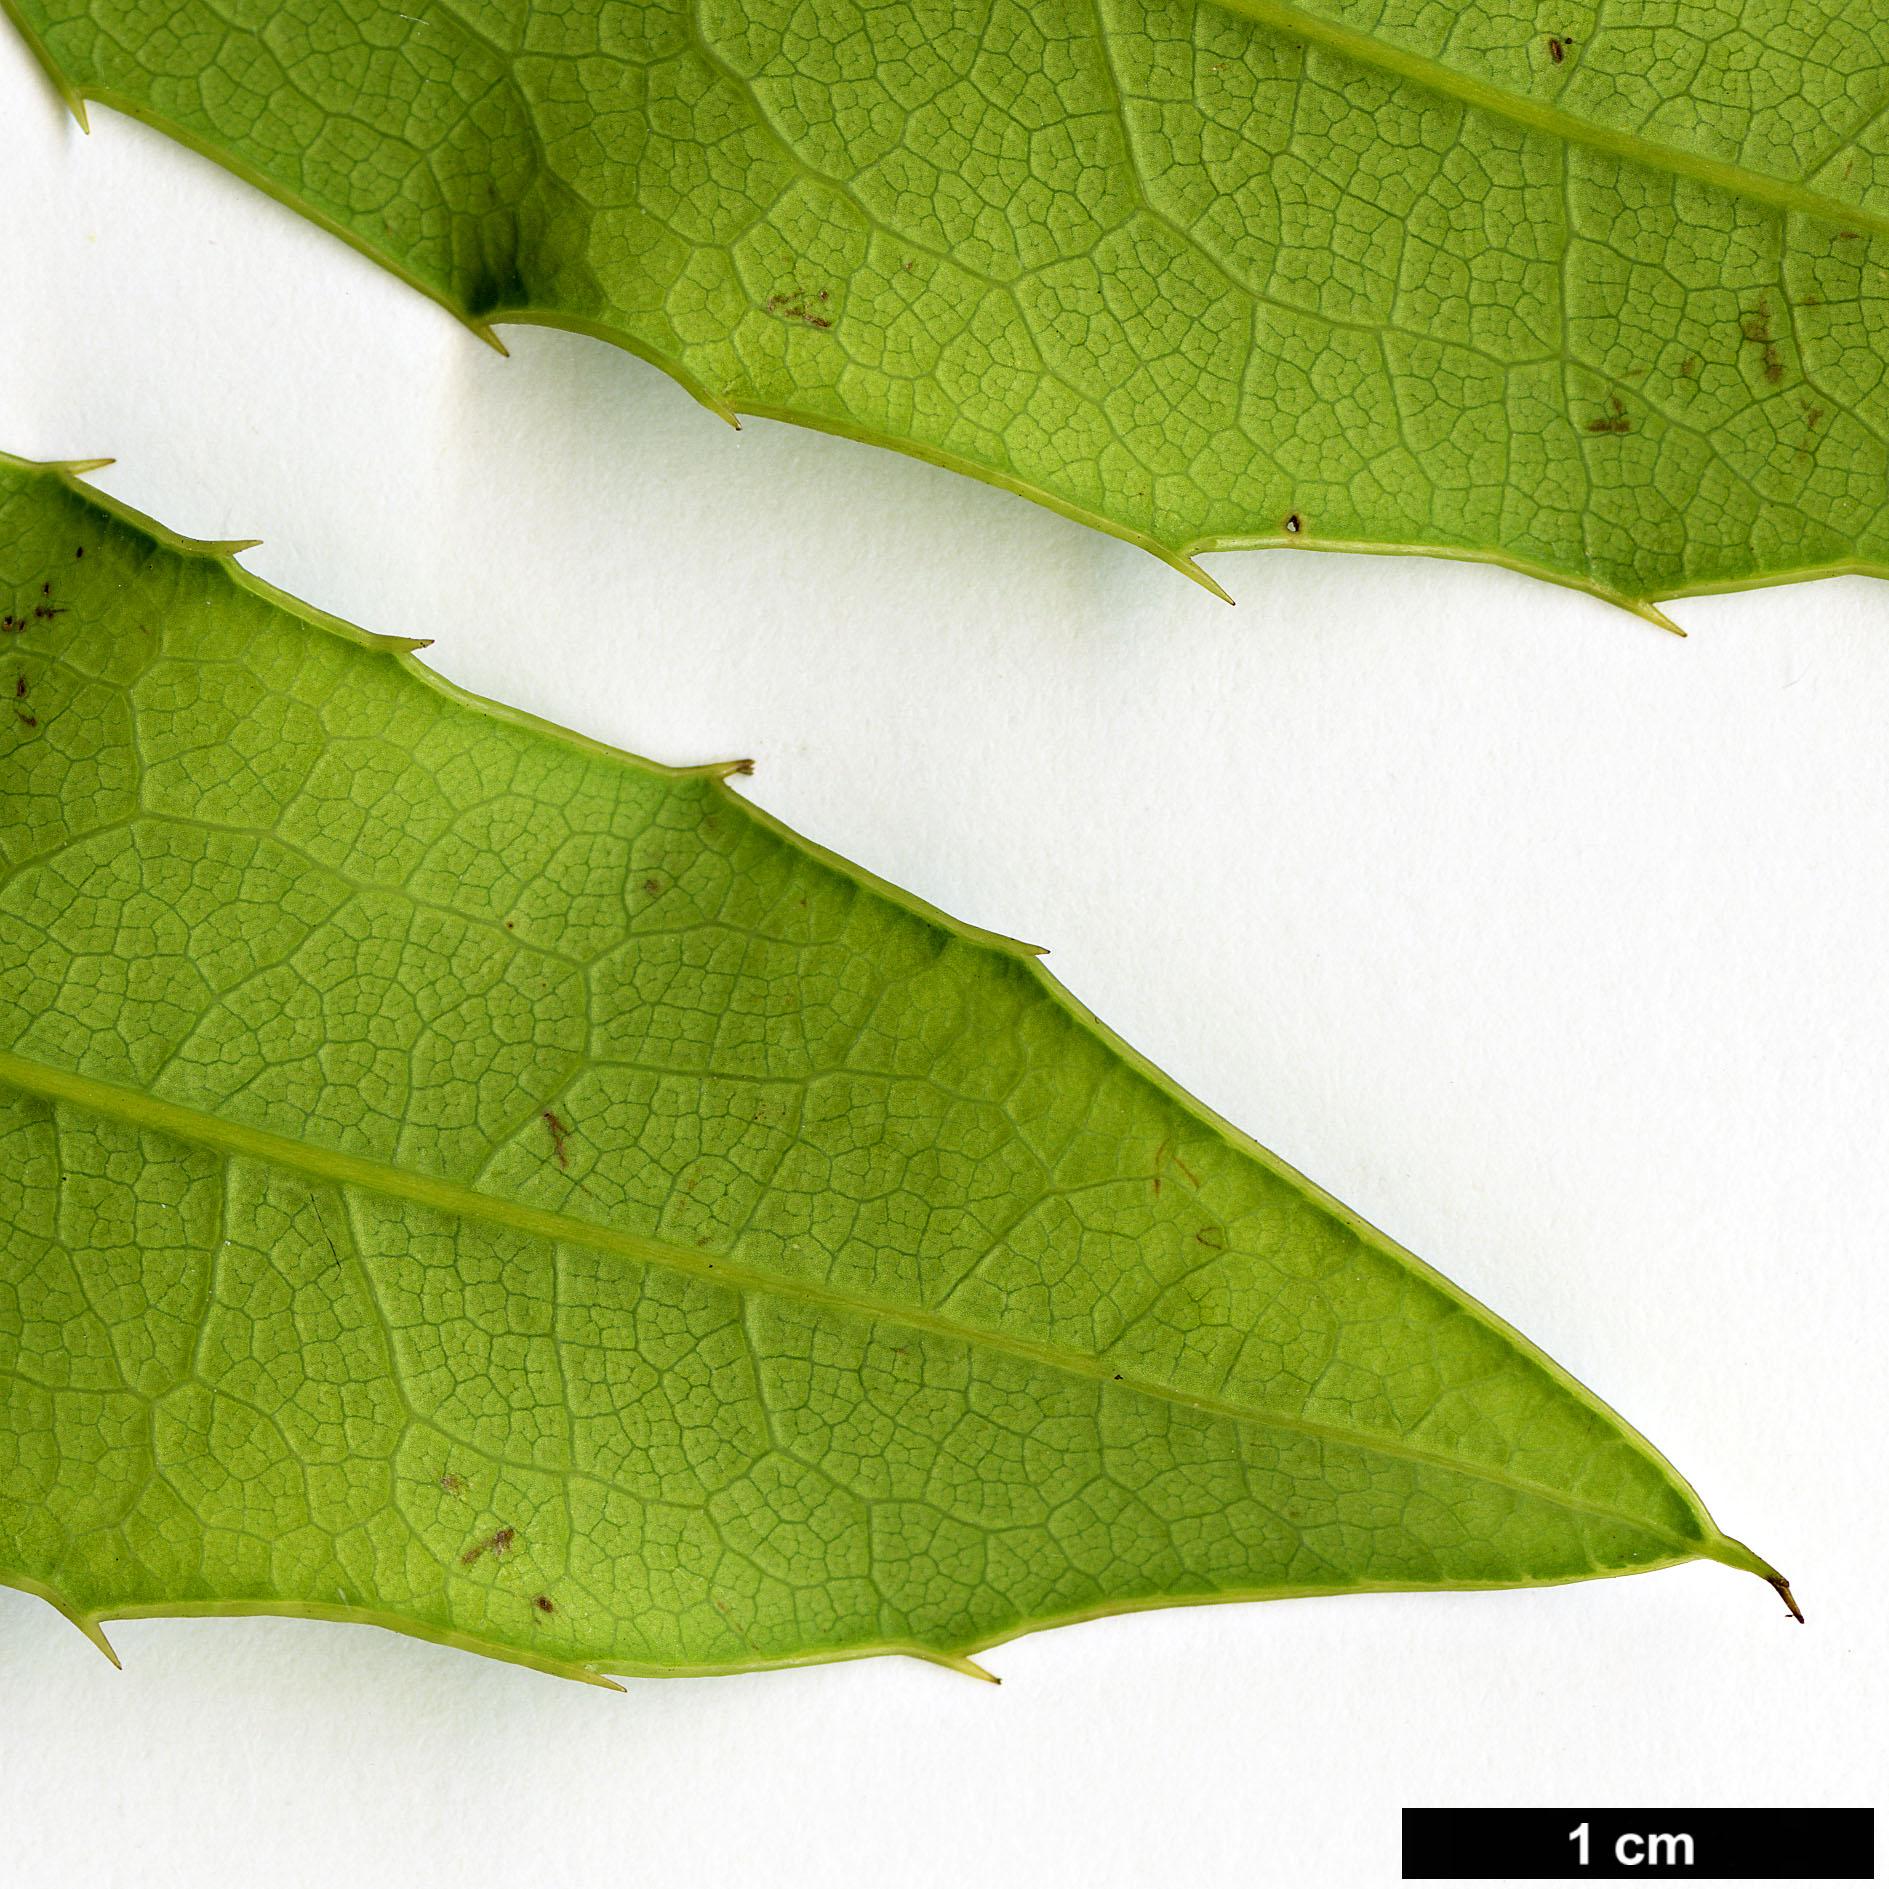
(1606, 303)
(458, 1176)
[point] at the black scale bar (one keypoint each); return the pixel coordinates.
(1634, 1845)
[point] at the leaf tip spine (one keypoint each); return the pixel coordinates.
(73, 100)
(590, 1676)
(69, 94)
(1642, 607)
(96, 1634)
(1188, 568)
(960, 1663)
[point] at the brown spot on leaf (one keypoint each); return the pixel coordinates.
(559, 1134)
(498, 1544)
(1554, 50)
(722, 1608)
(1615, 421)
(1757, 330)
(453, 1485)
(1294, 523)
(543, 1603)
(799, 305)
(1164, 1156)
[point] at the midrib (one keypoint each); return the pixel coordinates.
(1365, 50)
(326, 1164)
(1437, 77)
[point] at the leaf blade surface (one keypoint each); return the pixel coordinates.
(463, 1178)
(1201, 278)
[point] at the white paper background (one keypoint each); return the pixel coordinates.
(1553, 944)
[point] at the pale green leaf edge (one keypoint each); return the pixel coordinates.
(1273, 13)
(190, 1125)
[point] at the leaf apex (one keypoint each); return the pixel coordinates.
(1790, 1600)
(1734, 1554)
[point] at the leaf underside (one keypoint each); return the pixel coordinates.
(458, 1176)
(1604, 302)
